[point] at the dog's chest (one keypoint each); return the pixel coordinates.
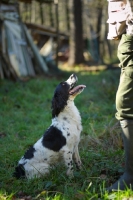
(69, 122)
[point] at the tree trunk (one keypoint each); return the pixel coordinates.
(76, 33)
(67, 15)
(98, 27)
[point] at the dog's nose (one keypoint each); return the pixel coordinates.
(73, 76)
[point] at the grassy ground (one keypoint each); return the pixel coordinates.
(25, 114)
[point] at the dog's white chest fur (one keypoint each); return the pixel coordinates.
(69, 122)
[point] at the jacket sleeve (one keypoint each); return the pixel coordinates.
(118, 13)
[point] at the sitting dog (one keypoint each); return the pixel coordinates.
(61, 139)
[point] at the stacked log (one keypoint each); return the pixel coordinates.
(19, 56)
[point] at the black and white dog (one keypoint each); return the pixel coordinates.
(61, 139)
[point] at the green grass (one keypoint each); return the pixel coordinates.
(25, 113)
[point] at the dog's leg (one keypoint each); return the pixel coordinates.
(76, 158)
(68, 162)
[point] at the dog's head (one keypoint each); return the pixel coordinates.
(65, 91)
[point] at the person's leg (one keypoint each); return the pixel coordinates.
(124, 106)
(126, 180)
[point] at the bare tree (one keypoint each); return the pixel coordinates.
(76, 32)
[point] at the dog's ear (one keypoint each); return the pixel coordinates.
(59, 102)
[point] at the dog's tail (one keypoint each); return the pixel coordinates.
(19, 172)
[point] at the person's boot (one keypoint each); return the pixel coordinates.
(126, 180)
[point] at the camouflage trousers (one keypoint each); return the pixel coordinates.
(124, 95)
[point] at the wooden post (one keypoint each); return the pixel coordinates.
(57, 29)
(41, 13)
(67, 15)
(51, 15)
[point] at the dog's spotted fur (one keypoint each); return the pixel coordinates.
(60, 141)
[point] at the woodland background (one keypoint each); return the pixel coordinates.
(77, 19)
(72, 32)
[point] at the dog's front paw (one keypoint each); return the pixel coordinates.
(78, 165)
(70, 173)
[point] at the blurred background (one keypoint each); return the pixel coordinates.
(44, 36)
